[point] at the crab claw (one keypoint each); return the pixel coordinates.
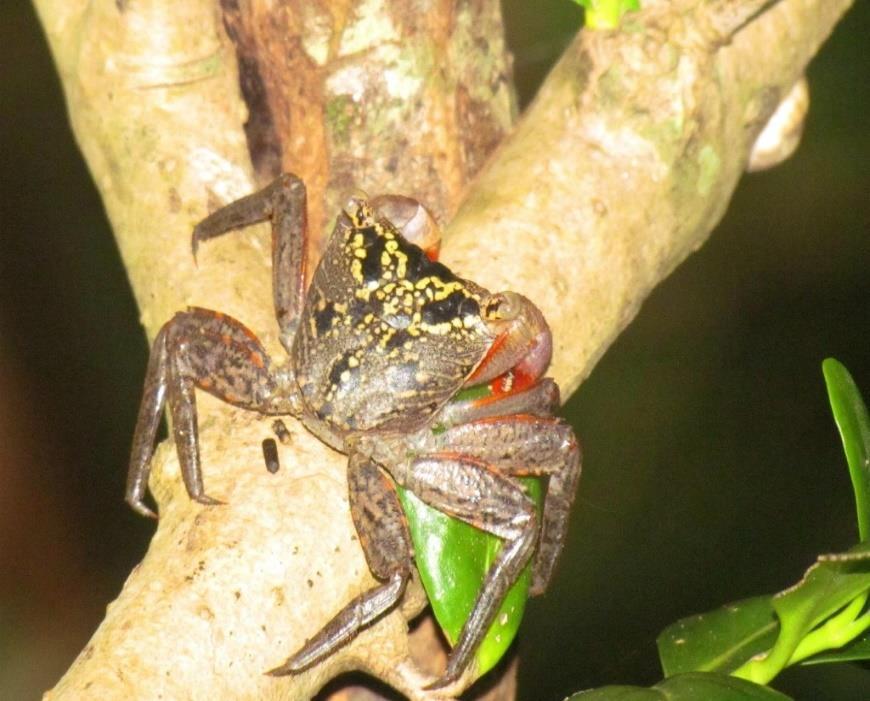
(523, 343)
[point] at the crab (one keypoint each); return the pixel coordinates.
(384, 346)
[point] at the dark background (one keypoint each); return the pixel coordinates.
(712, 470)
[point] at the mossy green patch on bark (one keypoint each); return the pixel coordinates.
(708, 169)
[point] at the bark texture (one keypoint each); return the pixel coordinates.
(621, 167)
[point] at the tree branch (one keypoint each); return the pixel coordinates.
(621, 167)
(625, 162)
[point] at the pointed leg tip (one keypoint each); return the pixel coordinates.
(457, 677)
(538, 588)
(282, 670)
(140, 508)
(206, 500)
(448, 679)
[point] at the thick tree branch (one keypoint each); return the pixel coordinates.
(625, 162)
(621, 168)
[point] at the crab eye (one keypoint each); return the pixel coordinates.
(398, 209)
(412, 219)
(503, 306)
(356, 205)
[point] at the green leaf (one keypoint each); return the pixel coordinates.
(821, 612)
(708, 686)
(853, 421)
(453, 558)
(833, 583)
(856, 651)
(605, 14)
(720, 640)
(470, 394)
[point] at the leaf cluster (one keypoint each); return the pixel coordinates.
(730, 654)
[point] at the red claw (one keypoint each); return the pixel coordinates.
(520, 354)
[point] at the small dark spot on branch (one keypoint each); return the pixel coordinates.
(281, 430)
(270, 455)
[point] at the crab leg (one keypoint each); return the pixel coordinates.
(524, 446)
(147, 423)
(541, 399)
(383, 532)
(214, 352)
(283, 203)
(478, 494)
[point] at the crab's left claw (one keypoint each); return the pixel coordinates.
(523, 343)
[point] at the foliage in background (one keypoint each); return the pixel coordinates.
(822, 618)
(606, 14)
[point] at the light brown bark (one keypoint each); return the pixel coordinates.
(621, 167)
